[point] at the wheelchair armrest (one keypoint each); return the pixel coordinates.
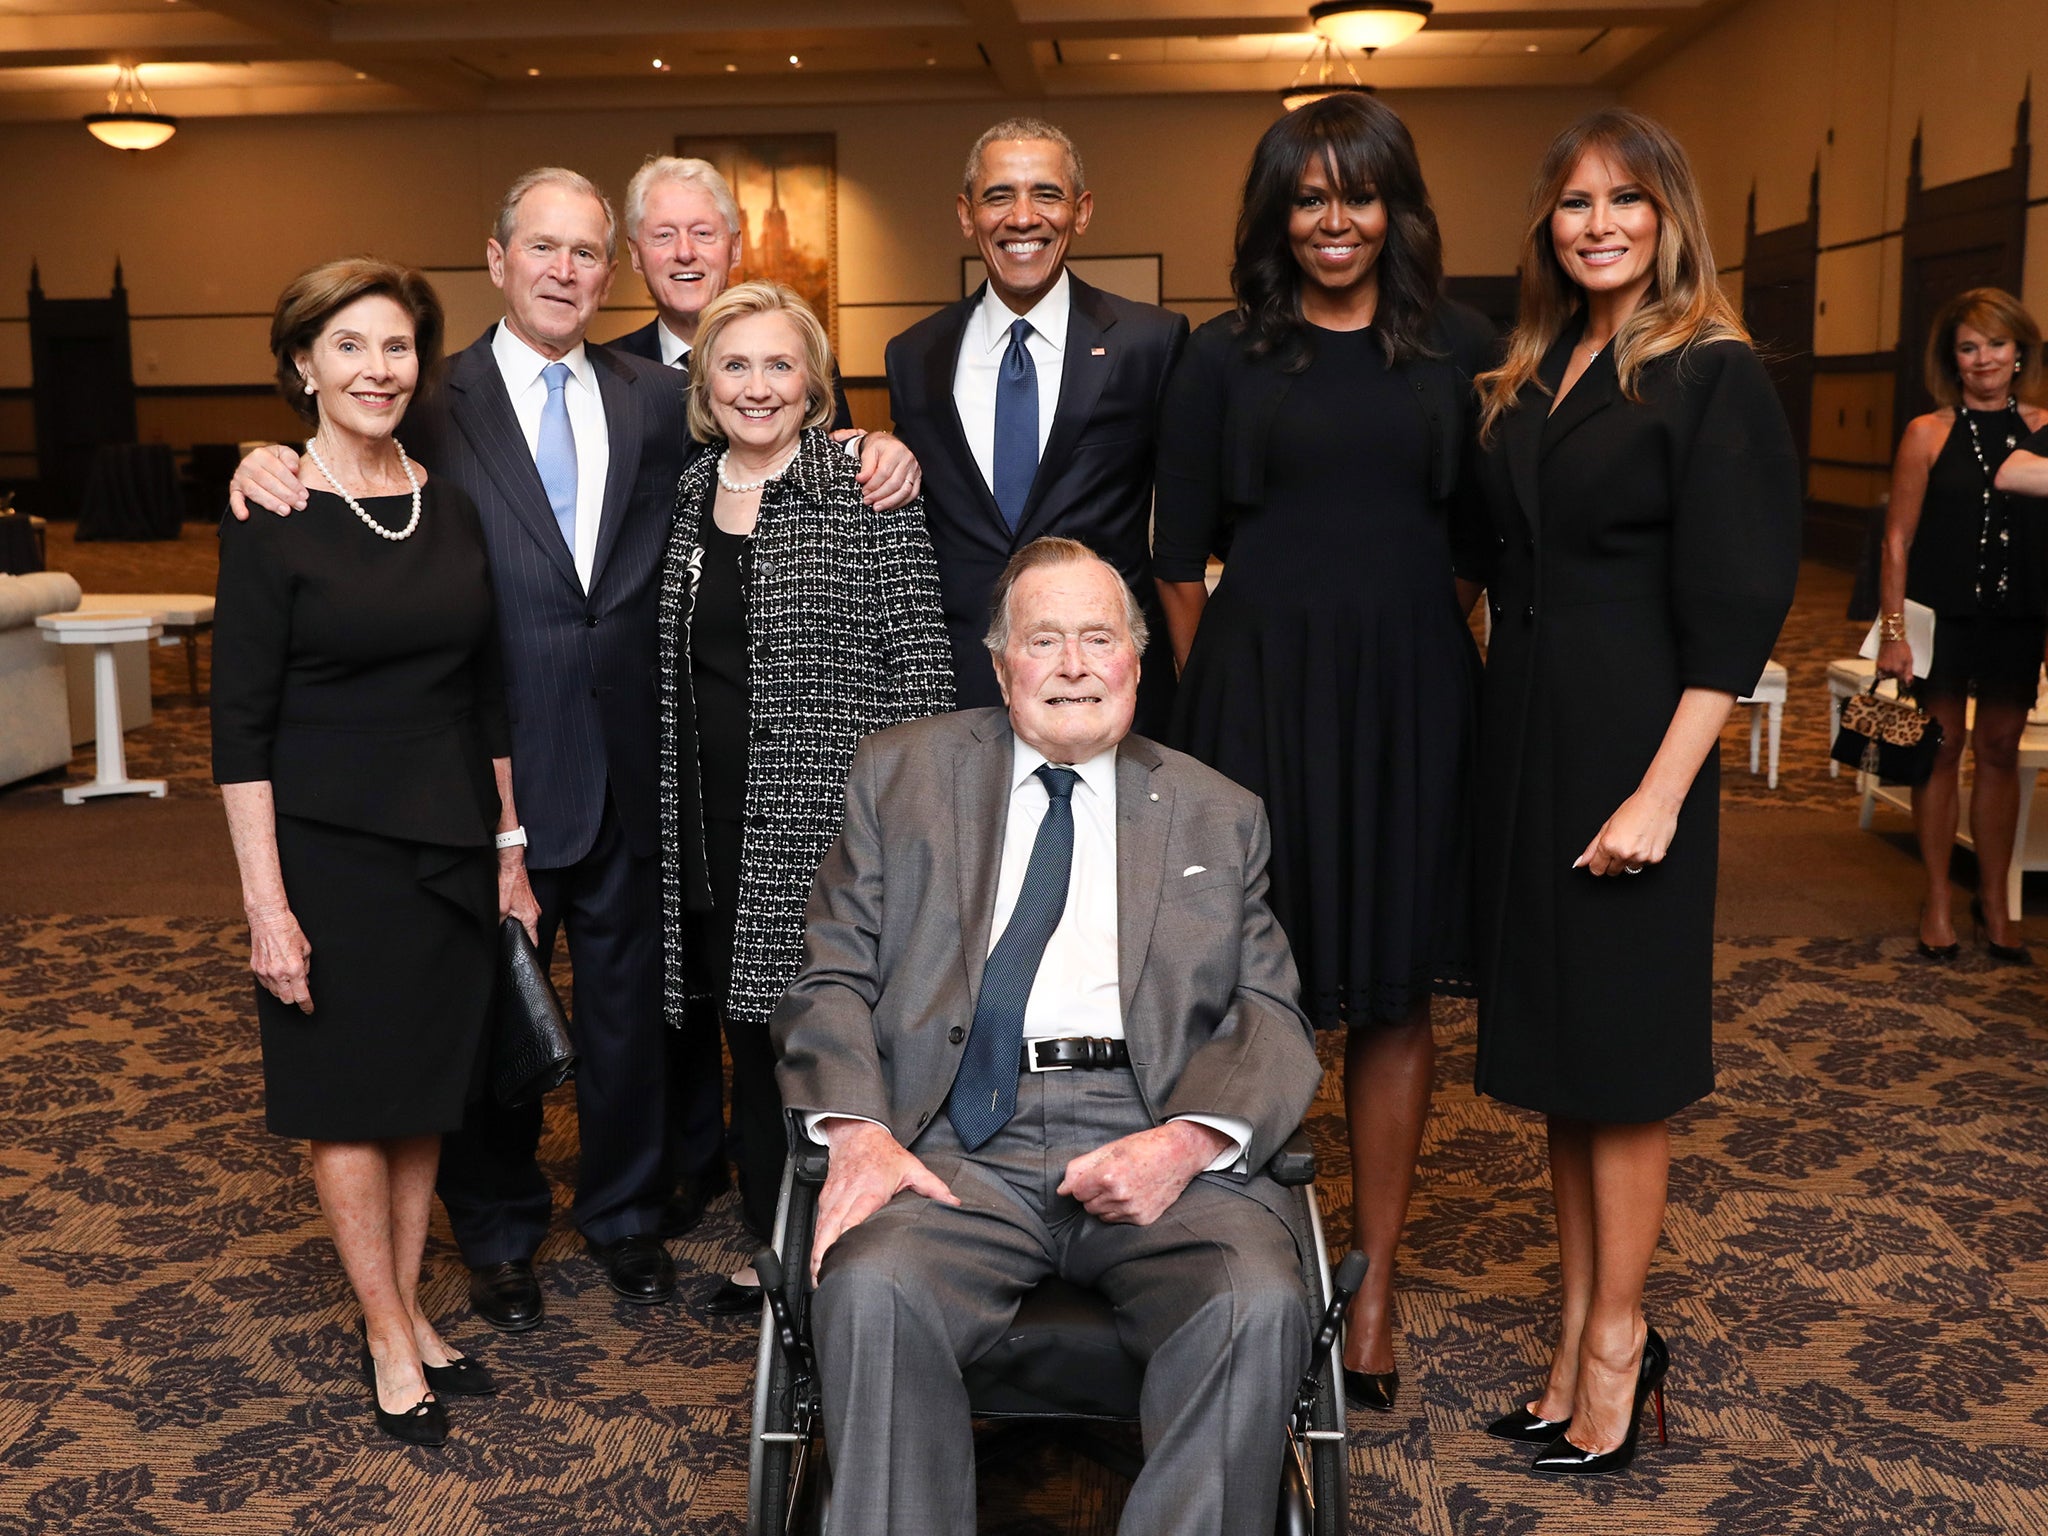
(813, 1158)
(1295, 1162)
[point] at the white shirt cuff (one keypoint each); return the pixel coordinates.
(818, 1117)
(1232, 1158)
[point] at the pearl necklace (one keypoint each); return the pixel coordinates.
(357, 507)
(1995, 597)
(739, 488)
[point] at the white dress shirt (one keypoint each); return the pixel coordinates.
(675, 352)
(520, 366)
(1076, 989)
(982, 347)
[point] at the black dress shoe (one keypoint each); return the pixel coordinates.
(1564, 1459)
(1371, 1389)
(462, 1377)
(638, 1268)
(506, 1295)
(1526, 1428)
(424, 1423)
(731, 1299)
(693, 1196)
(2010, 954)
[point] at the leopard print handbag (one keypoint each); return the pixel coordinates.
(1895, 740)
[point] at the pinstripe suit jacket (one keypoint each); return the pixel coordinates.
(579, 667)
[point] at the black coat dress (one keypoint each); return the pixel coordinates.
(1642, 548)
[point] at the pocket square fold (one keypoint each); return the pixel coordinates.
(1193, 869)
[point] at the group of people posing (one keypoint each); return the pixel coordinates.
(606, 646)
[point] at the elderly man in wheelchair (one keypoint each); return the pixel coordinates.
(1047, 1026)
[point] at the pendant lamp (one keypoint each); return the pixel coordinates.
(1302, 90)
(131, 120)
(1365, 26)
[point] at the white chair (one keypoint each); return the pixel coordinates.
(1769, 695)
(35, 734)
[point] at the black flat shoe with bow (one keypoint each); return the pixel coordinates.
(424, 1423)
(1564, 1459)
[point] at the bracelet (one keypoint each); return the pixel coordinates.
(516, 838)
(1891, 626)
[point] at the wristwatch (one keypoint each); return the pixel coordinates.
(516, 838)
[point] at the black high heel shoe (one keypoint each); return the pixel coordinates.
(1940, 952)
(460, 1377)
(1371, 1389)
(424, 1423)
(1526, 1428)
(2011, 954)
(1564, 1459)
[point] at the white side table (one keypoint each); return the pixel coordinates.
(1769, 693)
(104, 631)
(185, 616)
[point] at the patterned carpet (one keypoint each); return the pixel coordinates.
(1854, 1280)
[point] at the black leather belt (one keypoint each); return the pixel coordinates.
(1087, 1052)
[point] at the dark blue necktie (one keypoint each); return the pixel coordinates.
(985, 1089)
(1016, 426)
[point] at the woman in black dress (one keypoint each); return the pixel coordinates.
(1978, 557)
(1316, 433)
(794, 621)
(361, 746)
(1645, 501)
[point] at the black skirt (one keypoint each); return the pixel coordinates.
(404, 940)
(1993, 656)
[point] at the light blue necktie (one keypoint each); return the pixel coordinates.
(985, 1088)
(556, 457)
(1016, 426)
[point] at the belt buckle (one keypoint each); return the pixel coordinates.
(1031, 1061)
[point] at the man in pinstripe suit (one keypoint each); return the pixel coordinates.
(575, 566)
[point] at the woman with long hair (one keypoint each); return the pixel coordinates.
(1316, 434)
(1645, 501)
(1978, 557)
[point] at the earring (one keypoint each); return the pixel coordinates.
(309, 387)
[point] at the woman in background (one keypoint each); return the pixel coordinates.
(1978, 556)
(794, 621)
(1646, 508)
(1317, 431)
(361, 746)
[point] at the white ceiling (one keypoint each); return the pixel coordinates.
(256, 57)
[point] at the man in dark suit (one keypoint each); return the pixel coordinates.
(1033, 404)
(683, 234)
(1048, 1025)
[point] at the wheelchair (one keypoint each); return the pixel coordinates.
(1060, 1363)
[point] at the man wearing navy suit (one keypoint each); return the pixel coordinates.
(1033, 404)
(683, 235)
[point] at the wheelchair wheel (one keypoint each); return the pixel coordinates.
(789, 1483)
(1329, 1450)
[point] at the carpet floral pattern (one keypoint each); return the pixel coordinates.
(1854, 1283)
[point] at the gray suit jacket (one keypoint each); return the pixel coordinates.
(898, 930)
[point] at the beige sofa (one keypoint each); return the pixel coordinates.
(35, 712)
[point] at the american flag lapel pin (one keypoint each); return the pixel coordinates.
(1098, 351)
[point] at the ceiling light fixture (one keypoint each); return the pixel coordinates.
(1302, 91)
(1368, 25)
(131, 120)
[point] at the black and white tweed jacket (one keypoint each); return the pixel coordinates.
(844, 637)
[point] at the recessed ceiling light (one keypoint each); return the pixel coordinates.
(793, 59)
(1115, 57)
(361, 76)
(1530, 48)
(931, 61)
(658, 64)
(732, 69)
(533, 71)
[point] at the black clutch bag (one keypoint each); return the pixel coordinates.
(530, 1049)
(1895, 741)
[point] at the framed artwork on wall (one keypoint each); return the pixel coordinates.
(787, 187)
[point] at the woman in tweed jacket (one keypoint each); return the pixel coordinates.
(794, 621)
